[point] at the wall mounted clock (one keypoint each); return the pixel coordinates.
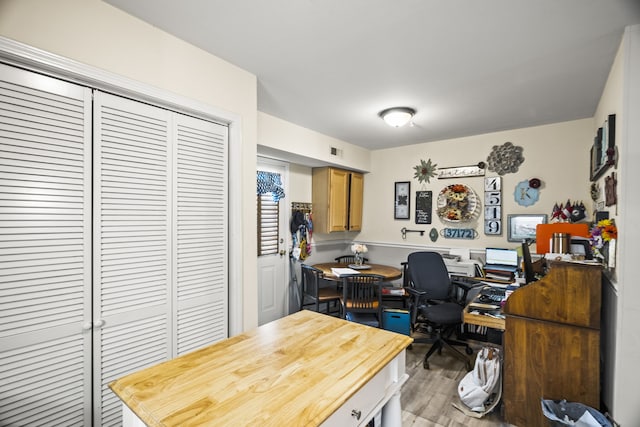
(458, 203)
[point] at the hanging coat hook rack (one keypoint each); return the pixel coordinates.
(404, 232)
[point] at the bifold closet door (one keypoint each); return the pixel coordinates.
(200, 228)
(160, 239)
(132, 244)
(45, 251)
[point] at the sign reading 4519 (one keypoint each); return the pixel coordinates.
(492, 205)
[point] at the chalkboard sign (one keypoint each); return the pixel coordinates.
(423, 207)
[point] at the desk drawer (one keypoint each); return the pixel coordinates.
(363, 402)
(370, 399)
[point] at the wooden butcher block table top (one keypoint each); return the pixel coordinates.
(291, 372)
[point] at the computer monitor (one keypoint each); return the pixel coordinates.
(527, 265)
(581, 246)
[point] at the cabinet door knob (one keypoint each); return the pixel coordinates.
(98, 323)
(356, 414)
(87, 326)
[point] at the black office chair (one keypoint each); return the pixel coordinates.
(314, 294)
(362, 299)
(436, 304)
(349, 259)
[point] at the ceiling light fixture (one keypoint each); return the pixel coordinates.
(397, 116)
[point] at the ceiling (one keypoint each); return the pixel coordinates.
(467, 67)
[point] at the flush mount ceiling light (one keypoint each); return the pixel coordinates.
(397, 116)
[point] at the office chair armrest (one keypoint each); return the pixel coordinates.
(415, 292)
(466, 286)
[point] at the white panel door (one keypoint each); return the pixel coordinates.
(201, 223)
(132, 244)
(273, 293)
(45, 251)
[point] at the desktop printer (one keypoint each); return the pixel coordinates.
(457, 267)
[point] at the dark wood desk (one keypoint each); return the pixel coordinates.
(482, 319)
(552, 342)
(388, 272)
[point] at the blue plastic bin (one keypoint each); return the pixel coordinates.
(396, 320)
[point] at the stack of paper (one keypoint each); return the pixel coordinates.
(340, 272)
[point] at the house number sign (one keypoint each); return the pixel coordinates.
(459, 233)
(492, 205)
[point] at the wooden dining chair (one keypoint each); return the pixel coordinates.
(318, 293)
(362, 299)
(348, 259)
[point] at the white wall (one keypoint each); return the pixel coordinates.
(96, 34)
(625, 408)
(308, 147)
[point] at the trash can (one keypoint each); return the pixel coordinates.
(563, 413)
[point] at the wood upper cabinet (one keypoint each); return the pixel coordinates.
(337, 200)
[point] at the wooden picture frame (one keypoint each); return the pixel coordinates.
(401, 200)
(523, 227)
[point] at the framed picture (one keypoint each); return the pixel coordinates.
(401, 208)
(603, 150)
(523, 227)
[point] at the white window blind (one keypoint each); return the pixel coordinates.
(268, 221)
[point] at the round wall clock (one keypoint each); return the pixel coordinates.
(457, 203)
(525, 194)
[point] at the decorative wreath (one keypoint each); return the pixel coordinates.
(457, 203)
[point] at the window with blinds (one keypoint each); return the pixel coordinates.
(268, 223)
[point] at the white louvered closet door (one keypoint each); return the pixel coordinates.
(132, 243)
(45, 251)
(201, 223)
(160, 239)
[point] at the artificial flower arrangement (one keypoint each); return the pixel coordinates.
(601, 234)
(359, 248)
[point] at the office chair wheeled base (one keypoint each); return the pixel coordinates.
(440, 343)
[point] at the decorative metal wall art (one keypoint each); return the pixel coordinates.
(425, 170)
(505, 158)
(462, 171)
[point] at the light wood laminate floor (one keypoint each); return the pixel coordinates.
(428, 394)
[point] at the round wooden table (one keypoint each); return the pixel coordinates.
(387, 271)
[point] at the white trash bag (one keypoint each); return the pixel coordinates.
(563, 413)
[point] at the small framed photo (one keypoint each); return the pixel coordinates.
(523, 227)
(401, 207)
